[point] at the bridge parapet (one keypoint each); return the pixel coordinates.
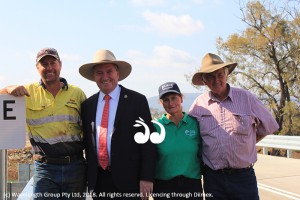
(289, 143)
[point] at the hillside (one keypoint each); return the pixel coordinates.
(188, 99)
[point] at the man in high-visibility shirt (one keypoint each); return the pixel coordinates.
(54, 128)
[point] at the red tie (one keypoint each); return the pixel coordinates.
(103, 153)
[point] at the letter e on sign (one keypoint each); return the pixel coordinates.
(12, 122)
(7, 109)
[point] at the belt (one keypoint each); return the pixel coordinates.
(63, 160)
(229, 170)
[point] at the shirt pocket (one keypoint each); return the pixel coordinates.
(36, 114)
(74, 107)
(207, 123)
(73, 115)
(242, 123)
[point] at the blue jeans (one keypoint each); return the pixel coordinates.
(234, 186)
(58, 181)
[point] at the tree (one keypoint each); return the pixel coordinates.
(268, 56)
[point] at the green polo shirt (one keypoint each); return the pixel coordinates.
(179, 153)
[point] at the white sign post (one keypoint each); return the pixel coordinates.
(3, 174)
(12, 122)
(13, 132)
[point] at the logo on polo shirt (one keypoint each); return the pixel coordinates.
(190, 132)
(154, 137)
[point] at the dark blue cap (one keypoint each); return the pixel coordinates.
(168, 87)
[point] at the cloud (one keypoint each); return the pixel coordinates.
(164, 63)
(170, 56)
(166, 24)
(198, 2)
(147, 2)
(162, 56)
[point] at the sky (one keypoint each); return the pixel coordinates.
(162, 39)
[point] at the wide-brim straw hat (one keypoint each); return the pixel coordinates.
(101, 57)
(210, 63)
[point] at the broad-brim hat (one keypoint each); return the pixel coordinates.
(101, 57)
(210, 63)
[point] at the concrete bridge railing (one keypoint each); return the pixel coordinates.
(290, 143)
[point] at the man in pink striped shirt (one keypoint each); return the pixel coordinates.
(232, 121)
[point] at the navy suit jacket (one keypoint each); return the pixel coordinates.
(130, 162)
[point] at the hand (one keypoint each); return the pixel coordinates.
(17, 90)
(146, 188)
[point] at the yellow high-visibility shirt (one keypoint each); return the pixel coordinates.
(53, 123)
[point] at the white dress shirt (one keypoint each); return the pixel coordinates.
(113, 104)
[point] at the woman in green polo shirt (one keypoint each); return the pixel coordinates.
(178, 171)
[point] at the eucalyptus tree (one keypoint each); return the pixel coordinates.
(268, 56)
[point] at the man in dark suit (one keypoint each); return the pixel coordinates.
(129, 167)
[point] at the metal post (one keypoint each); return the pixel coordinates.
(3, 174)
(265, 150)
(289, 153)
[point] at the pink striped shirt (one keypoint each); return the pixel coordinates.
(229, 128)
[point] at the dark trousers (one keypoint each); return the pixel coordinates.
(230, 185)
(106, 189)
(179, 187)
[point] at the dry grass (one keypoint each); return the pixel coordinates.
(16, 156)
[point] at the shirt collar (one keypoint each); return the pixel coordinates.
(185, 117)
(113, 94)
(230, 95)
(165, 120)
(212, 97)
(63, 80)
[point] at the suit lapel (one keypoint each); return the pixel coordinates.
(93, 109)
(121, 105)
